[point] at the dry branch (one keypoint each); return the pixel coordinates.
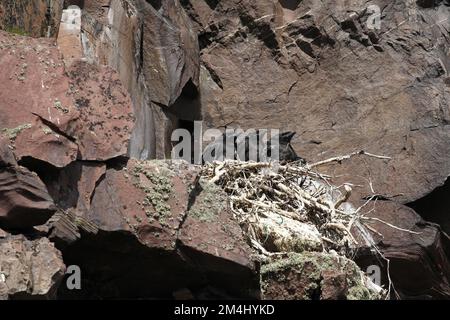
(347, 157)
(291, 207)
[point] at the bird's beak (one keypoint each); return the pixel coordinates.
(289, 135)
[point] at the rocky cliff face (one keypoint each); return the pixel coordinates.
(38, 18)
(155, 49)
(148, 67)
(341, 85)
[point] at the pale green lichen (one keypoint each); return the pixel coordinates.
(209, 203)
(16, 30)
(47, 130)
(318, 263)
(14, 132)
(157, 194)
(357, 288)
(359, 292)
(58, 105)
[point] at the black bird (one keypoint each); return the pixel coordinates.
(287, 152)
(251, 144)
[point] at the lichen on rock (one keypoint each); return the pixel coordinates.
(156, 182)
(12, 133)
(314, 275)
(209, 204)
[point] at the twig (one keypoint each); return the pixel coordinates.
(347, 157)
(391, 225)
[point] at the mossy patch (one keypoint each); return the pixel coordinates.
(312, 265)
(157, 193)
(14, 132)
(359, 292)
(209, 203)
(47, 130)
(357, 288)
(16, 30)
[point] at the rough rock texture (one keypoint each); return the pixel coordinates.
(30, 269)
(24, 199)
(313, 276)
(315, 68)
(152, 229)
(33, 18)
(6, 156)
(214, 241)
(148, 216)
(155, 50)
(419, 255)
(83, 114)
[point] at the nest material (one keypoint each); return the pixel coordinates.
(286, 208)
(292, 208)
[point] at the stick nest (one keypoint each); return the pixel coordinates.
(286, 208)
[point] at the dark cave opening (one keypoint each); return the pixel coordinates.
(428, 3)
(156, 4)
(185, 111)
(212, 3)
(186, 124)
(435, 207)
(290, 4)
(61, 183)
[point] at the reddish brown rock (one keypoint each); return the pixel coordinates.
(215, 241)
(41, 142)
(34, 66)
(91, 173)
(146, 236)
(24, 199)
(72, 186)
(84, 114)
(171, 43)
(106, 116)
(289, 65)
(317, 69)
(154, 48)
(419, 264)
(29, 269)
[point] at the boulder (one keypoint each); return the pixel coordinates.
(215, 242)
(418, 252)
(148, 228)
(29, 269)
(80, 113)
(106, 119)
(24, 199)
